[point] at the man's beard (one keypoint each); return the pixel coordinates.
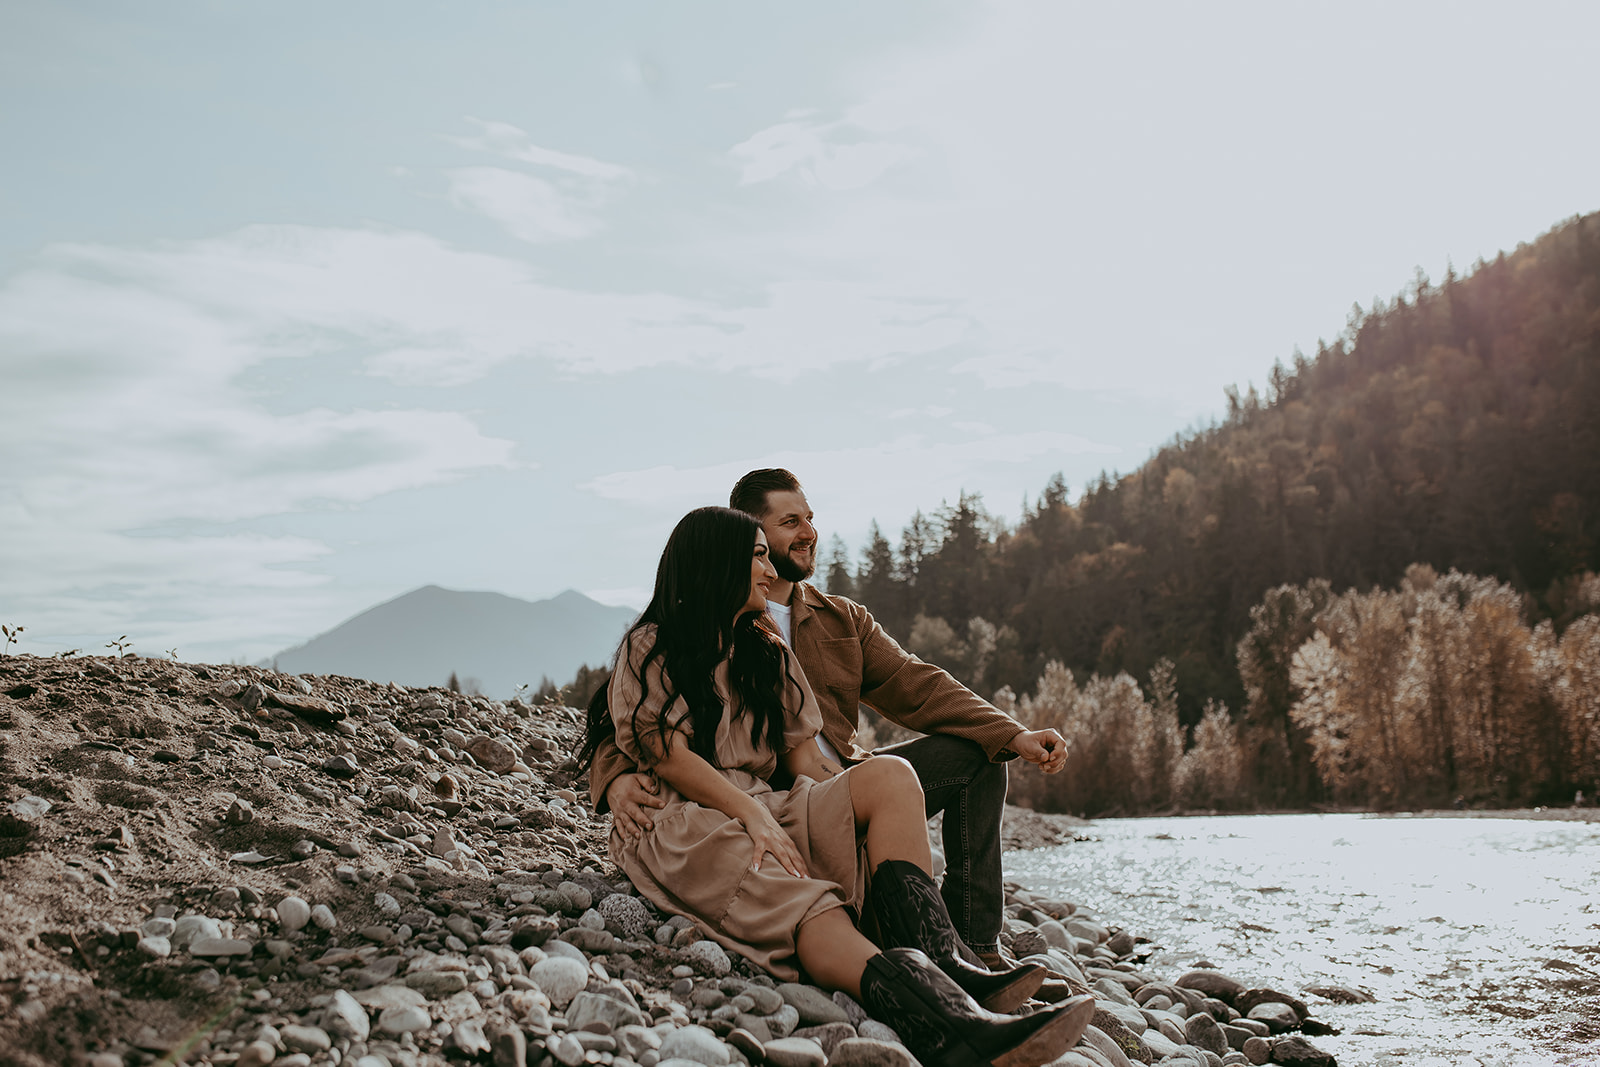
(789, 570)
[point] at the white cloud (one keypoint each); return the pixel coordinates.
(891, 477)
(137, 444)
(530, 208)
(822, 152)
(504, 139)
(565, 206)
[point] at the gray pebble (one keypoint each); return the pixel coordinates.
(695, 1044)
(709, 957)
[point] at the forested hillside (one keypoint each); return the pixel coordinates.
(1457, 427)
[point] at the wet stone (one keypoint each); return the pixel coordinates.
(795, 1052)
(1340, 994)
(1247, 1000)
(877, 1031)
(1296, 1051)
(1212, 984)
(827, 1036)
(865, 1052)
(1278, 1017)
(1202, 1031)
(695, 1044)
(813, 1005)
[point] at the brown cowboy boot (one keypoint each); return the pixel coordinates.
(944, 1027)
(910, 914)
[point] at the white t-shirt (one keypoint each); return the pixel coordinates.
(783, 615)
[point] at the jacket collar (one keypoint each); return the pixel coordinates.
(803, 604)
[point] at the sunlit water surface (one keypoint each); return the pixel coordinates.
(1479, 937)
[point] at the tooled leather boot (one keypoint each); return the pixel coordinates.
(944, 1027)
(911, 914)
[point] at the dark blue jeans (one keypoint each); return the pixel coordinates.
(961, 781)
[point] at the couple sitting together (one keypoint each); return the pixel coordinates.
(724, 747)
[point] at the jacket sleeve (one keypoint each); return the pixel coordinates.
(922, 697)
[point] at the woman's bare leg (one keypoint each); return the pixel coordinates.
(833, 952)
(888, 804)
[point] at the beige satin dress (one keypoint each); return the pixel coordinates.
(696, 861)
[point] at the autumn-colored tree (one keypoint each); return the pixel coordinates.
(1211, 772)
(1278, 763)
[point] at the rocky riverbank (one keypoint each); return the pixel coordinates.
(230, 866)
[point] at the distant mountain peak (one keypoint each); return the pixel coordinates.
(496, 641)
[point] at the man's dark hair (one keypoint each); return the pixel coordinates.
(750, 492)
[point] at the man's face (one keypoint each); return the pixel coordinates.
(790, 535)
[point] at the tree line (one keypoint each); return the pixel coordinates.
(1449, 431)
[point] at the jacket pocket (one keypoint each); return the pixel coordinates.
(841, 666)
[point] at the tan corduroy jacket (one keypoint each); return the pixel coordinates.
(849, 660)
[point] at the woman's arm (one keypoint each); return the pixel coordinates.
(697, 780)
(807, 759)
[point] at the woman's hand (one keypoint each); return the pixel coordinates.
(769, 837)
(697, 780)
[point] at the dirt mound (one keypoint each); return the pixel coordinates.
(132, 787)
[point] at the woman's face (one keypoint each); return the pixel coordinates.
(761, 576)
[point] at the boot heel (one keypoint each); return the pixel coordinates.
(1047, 1044)
(1003, 1000)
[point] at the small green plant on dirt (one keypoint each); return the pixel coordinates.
(68, 654)
(173, 652)
(11, 633)
(121, 644)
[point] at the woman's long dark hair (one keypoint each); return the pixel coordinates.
(702, 581)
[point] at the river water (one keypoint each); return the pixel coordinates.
(1480, 937)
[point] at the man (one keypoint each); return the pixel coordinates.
(849, 659)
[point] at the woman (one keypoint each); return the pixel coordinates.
(710, 701)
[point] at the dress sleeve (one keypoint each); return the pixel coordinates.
(639, 703)
(802, 716)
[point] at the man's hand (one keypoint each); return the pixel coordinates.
(1046, 748)
(631, 796)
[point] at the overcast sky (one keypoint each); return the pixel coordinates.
(304, 305)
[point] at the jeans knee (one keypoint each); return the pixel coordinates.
(991, 780)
